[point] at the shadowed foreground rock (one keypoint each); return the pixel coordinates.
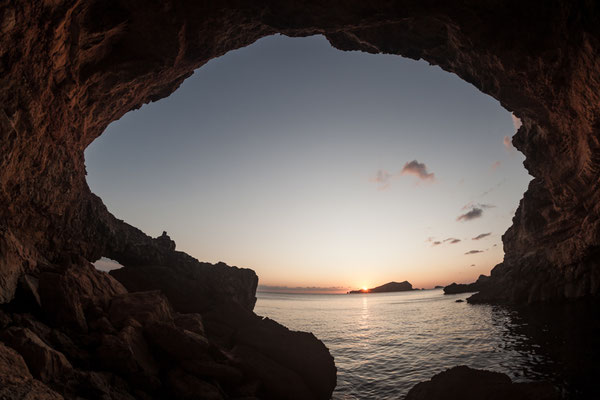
(91, 338)
(464, 383)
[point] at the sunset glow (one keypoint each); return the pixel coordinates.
(295, 160)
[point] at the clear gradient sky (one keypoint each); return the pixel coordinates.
(296, 160)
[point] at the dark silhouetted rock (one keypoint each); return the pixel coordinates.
(191, 322)
(29, 286)
(464, 383)
(67, 294)
(178, 343)
(455, 288)
(44, 362)
(388, 287)
(17, 383)
(188, 387)
(191, 286)
(143, 307)
(275, 353)
(460, 301)
(127, 353)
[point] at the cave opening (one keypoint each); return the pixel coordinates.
(321, 170)
(70, 69)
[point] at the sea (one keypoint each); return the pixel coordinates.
(385, 343)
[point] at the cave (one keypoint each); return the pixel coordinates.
(68, 69)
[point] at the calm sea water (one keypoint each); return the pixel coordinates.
(383, 344)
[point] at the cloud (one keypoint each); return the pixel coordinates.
(383, 178)
(470, 215)
(437, 242)
(417, 169)
(482, 235)
(496, 165)
(483, 206)
(507, 141)
(496, 186)
(472, 265)
(516, 122)
(452, 240)
(473, 252)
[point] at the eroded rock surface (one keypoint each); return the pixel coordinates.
(69, 68)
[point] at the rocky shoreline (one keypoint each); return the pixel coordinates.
(79, 333)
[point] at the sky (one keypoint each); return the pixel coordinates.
(319, 168)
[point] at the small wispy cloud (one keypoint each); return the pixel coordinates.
(470, 215)
(473, 252)
(436, 243)
(483, 206)
(452, 240)
(496, 186)
(472, 265)
(419, 170)
(507, 141)
(496, 165)
(482, 235)
(383, 179)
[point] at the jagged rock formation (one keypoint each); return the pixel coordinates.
(464, 383)
(88, 337)
(68, 68)
(387, 287)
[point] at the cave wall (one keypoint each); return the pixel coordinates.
(69, 68)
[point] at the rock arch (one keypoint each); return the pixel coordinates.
(69, 68)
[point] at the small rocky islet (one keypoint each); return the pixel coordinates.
(386, 288)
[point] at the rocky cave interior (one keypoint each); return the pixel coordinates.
(167, 324)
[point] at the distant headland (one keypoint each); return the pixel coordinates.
(388, 287)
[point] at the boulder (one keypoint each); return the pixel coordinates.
(192, 286)
(66, 294)
(183, 386)
(277, 381)
(191, 322)
(464, 383)
(16, 381)
(177, 343)
(44, 362)
(127, 353)
(262, 347)
(221, 372)
(143, 307)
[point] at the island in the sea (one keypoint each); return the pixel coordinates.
(388, 287)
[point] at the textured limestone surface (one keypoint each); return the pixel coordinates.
(68, 68)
